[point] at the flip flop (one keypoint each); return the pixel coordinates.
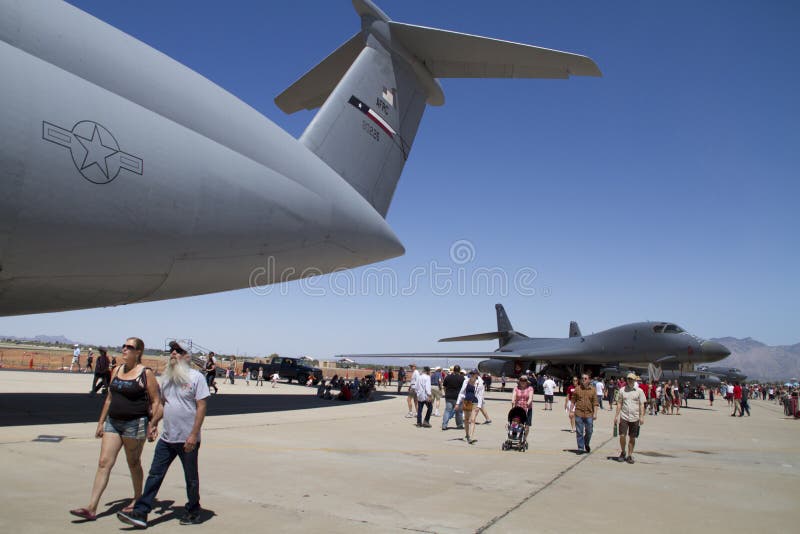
(83, 513)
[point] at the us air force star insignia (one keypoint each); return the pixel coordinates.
(94, 150)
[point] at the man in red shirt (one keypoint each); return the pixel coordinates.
(737, 399)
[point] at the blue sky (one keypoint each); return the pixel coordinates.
(665, 190)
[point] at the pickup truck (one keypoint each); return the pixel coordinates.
(287, 368)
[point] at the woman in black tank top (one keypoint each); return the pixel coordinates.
(124, 423)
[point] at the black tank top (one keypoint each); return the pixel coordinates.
(129, 397)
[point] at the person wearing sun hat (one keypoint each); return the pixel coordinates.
(629, 416)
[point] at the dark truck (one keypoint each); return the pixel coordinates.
(287, 368)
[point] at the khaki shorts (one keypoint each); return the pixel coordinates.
(412, 393)
(436, 394)
(629, 427)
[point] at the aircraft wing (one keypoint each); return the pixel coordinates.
(433, 355)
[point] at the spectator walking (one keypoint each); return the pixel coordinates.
(470, 399)
(600, 387)
(423, 390)
(76, 359)
(436, 390)
(102, 373)
(549, 387)
(744, 406)
(124, 423)
(412, 391)
(183, 409)
(586, 405)
(629, 416)
(569, 403)
(452, 387)
(737, 399)
(211, 372)
(522, 397)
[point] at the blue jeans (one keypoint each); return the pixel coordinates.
(449, 406)
(162, 458)
(583, 427)
(600, 401)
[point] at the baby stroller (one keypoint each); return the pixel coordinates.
(516, 427)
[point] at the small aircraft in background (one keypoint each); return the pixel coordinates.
(728, 374)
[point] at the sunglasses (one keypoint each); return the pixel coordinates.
(128, 347)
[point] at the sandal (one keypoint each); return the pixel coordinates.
(83, 513)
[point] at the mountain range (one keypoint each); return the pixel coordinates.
(63, 340)
(760, 361)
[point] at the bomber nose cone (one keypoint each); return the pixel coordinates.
(713, 351)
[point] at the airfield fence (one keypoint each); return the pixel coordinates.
(43, 359)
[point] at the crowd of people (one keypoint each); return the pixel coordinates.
(584, 397)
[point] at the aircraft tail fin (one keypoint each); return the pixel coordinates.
(376, 85)
(574, 329)
(505, 332)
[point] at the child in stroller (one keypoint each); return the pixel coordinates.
(516, 428)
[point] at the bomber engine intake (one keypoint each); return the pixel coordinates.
(500, 367)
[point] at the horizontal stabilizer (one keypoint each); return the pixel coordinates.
(313, 88)
(448, 54)
(476, 337)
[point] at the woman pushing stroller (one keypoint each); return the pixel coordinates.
(522, 397)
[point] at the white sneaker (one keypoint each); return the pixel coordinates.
(409, 414)
(436, 414)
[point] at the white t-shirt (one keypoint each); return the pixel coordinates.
(180, 407)
(414, 377)
(549, 386)
(730, 389)
(423, 387)
(600, 387)
(76, 353)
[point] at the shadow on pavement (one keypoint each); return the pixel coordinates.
(18, 409)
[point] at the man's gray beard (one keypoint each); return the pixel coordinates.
(177, 371)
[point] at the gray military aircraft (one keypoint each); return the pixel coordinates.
(635, 345)
(127, 177)
(728, 374)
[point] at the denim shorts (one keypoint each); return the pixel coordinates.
(135, 428)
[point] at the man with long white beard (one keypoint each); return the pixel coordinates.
(183, 408)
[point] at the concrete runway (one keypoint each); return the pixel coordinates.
(280, 460)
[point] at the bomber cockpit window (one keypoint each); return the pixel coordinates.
(672, 329)
(659, 328)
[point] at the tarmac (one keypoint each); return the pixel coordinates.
(281, 460)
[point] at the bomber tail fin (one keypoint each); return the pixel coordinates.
(376, 85)
(574, 329)
(505, 332)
